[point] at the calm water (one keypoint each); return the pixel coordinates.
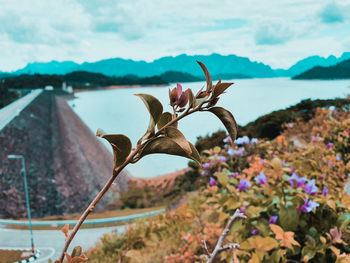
(118, 111)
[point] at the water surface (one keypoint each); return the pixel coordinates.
(118, 111)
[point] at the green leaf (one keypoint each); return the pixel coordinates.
(289, 218)
(121, 145)
(76, 251)
(207, 76)
(227, 119)
(168, 146)
(155, 110)
(220, 88)
(164, 119)
(179, 138)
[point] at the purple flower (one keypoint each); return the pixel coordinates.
(325, 191)
(338, 158)
(254, 141)
(261, 178)
(311, 187)
(243, 185)
(242, 140)
(255, 232)
(329, 145)
(273, 219)
(228, 139)
(314, 138)
(233, 152)
(323, 175)
(309, 205)
(212, 182)
(222, 159)
(231, 175)
(299, 181)
(283, 163)
(205, 173)
(206, 165)
(262, 161)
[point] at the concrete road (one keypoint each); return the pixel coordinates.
(9, 112)
(51, 242)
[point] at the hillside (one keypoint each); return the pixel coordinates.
(339, 71)
(217, 64)
(66, 164)
(293, 191)
(231, 66)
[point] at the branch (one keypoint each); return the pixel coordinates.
(219, 248)
(131, 159)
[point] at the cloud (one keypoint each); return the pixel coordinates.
(272, 33)
(332, 13)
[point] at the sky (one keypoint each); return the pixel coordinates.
(275, 32)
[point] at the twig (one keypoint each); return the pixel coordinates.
(130, 159)
(219, 248)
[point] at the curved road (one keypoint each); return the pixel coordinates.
(51, 242)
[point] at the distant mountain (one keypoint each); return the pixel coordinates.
(225, 67)
(49, 68)
(339, 71)
(176, 76)
(313, 61)
(217, 65)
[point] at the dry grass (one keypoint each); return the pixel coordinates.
(10, 256)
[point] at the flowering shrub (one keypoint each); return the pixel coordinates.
(292, 190)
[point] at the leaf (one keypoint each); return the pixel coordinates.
(164, 119)
(254, 259)
(121, 145)
(268, 243)
(289, 218)
(207, 76)
(179, 138)
(220, 88)
(65, 230)
(168, 146)
(191, 99)
(223, 178)
(155, 110)
(76, 251)
(227, 119)
(80, 258)
(287, 238)
(135, 255)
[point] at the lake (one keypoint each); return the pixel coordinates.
(118, 111)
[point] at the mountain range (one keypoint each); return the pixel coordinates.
(340, 70)
(229, 66)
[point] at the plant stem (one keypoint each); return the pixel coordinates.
(116, 172)
(219, 248)
(94, 202)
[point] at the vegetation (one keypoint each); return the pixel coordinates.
(6, 96)
(161, 136)
(339, 71)
(293, 190)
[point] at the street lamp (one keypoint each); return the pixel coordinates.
(12, 156)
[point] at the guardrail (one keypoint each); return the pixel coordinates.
(86, 222)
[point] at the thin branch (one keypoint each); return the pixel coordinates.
(219, 248)
(116, 171)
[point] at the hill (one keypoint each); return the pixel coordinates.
(339, 71)
(217, 64)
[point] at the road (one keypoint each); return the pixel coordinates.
(86, 222)
(8, 113)
(51, 242)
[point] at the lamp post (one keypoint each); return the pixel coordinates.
(12, 156)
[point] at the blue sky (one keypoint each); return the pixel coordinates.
(278, 33)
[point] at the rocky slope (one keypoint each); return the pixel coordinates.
(66, 164)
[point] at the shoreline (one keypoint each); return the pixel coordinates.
(121, 87)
